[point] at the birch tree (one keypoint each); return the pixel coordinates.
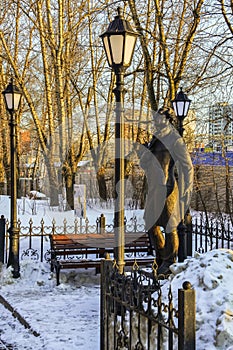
(52, 78)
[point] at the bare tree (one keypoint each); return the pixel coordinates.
(53, 50)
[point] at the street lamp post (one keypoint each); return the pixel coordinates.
(12, 96)
(181, 105)
(119, 43)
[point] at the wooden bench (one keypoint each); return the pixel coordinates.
(71, 251)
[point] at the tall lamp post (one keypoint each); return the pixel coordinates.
(181, 105)
(12, 96)
(119, 42)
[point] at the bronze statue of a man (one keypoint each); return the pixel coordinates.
(169, 171)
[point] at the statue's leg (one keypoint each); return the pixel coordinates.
(169, 253)
(157, 242)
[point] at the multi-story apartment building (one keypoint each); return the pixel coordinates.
(221, 126)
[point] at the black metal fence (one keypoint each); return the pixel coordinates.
(136, 315)
(201, 235)
(34, 239)
(211, 233)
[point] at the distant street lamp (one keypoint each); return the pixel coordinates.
(119, 42)
(12, 96)
(181, 105)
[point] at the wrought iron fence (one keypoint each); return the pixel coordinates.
(211, 233)
(135, 314)
(206, 234)
(34, 239)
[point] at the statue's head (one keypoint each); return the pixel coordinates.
(167, 112)
(163, 117)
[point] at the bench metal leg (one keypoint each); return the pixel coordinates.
(57, 269)
(52, 261)
(51, 266)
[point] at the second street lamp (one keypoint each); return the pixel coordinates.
(12, 96)
(181, 105)
(119, 43)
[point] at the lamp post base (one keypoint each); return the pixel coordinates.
(14, 251)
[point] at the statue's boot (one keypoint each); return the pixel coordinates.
(157, 241)
(169, 253)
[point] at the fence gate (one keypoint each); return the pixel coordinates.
(135, 314)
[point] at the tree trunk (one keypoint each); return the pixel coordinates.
(102, 184)
(69, 183)
(69, 178)
(53, 184)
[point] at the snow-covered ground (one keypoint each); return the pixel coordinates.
(67, 316)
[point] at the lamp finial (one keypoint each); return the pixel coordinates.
(119, 12)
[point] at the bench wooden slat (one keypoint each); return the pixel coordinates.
(66, 246)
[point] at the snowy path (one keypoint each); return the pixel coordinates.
(66, 317)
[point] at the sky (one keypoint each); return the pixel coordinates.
(66, 317)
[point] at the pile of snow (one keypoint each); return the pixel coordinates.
(67, 316)
(211, 276)
(36, 195)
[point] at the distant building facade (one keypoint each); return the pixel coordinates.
(221, 126)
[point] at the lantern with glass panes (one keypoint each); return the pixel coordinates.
(181, 105)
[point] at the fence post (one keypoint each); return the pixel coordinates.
(101, 226)
(182, 252)
(2, 237)
(187, 317)
(189, 230)
(102, 223)
(106, 266)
